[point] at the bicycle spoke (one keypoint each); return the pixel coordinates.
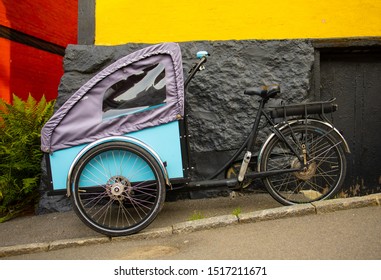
(320, 177)
(117, 189)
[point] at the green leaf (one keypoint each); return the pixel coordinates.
(20, 154)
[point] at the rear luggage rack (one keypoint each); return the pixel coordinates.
(304, 109)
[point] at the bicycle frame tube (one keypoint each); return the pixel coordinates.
(280, 135)
(250, 140)
(193, 71)
(248, 143)
(231, 160)
(254, 131)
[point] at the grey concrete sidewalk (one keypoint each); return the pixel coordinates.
(63, 230)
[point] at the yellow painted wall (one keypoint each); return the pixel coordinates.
(152, 21)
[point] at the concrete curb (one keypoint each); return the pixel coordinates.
(332, 205)
(23, 249)
(66, 243)
(277, 213)
(149, 234)
(319, 207)
(207, 223)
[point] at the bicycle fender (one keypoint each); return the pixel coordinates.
(113, 139)
(323, 124)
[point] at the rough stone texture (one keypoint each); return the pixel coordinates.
(61, 244)
(207, 223)
(150, 234)
(377, 197)
(23, 249)
(332, 205)
(220, 115)
(277, 213)
(220, 112)
(47, 203)
(53, 203)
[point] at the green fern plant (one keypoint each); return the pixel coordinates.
(20, 155)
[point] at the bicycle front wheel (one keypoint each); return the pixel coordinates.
(118, 188)
(320, 179)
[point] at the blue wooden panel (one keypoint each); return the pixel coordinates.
(111, 166)
(163, 139)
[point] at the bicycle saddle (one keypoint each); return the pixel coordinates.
(264, 91)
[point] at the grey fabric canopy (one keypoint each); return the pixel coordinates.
(140, 90)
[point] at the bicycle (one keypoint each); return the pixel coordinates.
(118, 180)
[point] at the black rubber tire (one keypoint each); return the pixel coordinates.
(322, 179)
(105, 195)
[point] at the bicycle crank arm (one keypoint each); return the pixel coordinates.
(245, 164)
(253, 175)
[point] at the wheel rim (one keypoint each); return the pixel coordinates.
(117, 191)
(318, 180)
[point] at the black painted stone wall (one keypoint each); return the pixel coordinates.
(219, 113)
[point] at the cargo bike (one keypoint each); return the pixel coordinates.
(120, 142)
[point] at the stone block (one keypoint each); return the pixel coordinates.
(331, 205)
(277, 213)
(377, 197)
(149, 234)
(23, 249)
(67, 243)
(207, 223)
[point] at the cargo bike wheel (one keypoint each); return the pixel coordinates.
(118, 188)
(320, 179)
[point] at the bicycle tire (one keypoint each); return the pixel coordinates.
(118, 188)
(326, 169)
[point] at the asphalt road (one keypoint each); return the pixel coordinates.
(352, 234)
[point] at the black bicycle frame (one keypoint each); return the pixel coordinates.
(248, 144)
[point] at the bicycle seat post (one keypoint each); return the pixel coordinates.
(252, 137)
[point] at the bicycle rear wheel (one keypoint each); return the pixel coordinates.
(118, 188)
(324, 174)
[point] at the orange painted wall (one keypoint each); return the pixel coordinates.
(28, 70)
(5, 69)
(54, 21)
(25, 69)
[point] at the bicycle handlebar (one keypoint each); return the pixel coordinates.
(197, 67)
(200, 54)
